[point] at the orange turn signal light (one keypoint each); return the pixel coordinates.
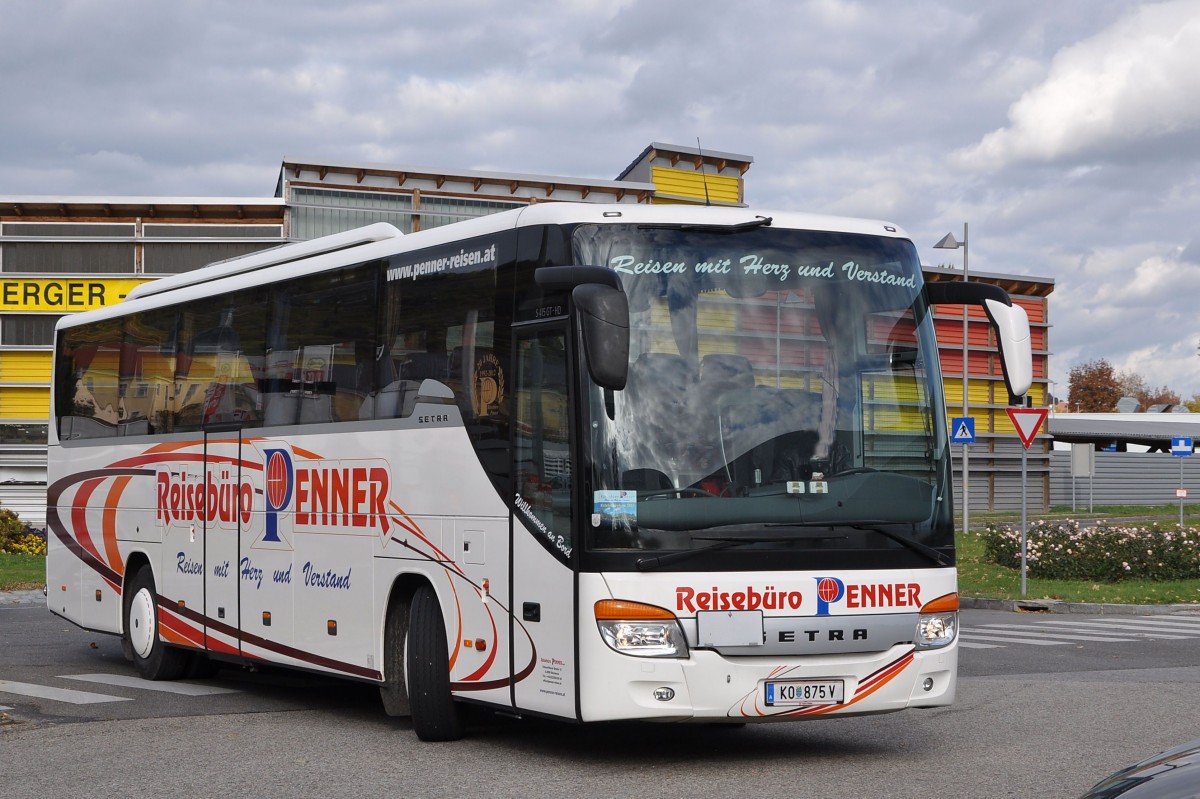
(946, 603)
(623, 609)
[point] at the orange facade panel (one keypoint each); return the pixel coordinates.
(1035, 308)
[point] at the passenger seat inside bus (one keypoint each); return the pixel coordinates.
(662, 387)
(769, 434)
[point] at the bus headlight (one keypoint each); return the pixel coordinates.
(633, 628)
(937, 626)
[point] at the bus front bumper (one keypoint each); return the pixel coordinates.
(709, 687)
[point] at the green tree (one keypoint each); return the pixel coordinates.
(1093, 387)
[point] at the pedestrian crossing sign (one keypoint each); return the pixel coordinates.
(962, 429)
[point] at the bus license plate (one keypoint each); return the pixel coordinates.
(805, 692)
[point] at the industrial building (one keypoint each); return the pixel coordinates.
(62, 255)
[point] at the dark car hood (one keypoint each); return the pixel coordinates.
(1173, 774)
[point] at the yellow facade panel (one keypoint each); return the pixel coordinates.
(687, 183)
(62, 295)
(25, 367)
(980, 393)
(904, 390)
(24, 403)
(897, 420)
(716, 317)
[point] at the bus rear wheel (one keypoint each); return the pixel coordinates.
(435, 714)
(153, 659)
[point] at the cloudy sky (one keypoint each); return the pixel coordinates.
(1067, 133)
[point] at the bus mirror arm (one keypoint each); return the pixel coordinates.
(561, 278)
(1011, 323)
(603, 314)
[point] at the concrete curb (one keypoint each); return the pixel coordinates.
(34, 597)
(1058, 606)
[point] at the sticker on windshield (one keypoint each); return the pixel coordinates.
(818, 487)
(754, 265)
(615, 506)
(795, 487)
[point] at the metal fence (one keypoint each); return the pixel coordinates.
(1124, 478)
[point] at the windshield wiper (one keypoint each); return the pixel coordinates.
(664, 492)
(916, 546)
(721, 542)
(878, 527)
(740, 227)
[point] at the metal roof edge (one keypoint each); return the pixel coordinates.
(467, 173)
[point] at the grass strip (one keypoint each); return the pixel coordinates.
(20, 572)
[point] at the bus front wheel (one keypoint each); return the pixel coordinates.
(154, 659)
(435, 714)
(394, 690)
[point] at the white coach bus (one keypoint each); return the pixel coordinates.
(579, 461)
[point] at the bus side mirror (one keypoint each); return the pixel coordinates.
(604, 322)
(1016, 347)
(1011, 323)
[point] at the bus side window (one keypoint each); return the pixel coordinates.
(148, 373)
(89, 398)
(543, 448)
(217, 383)
(321, 357)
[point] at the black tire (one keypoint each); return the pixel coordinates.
(435, 714)
(394, 690)
(153, 659)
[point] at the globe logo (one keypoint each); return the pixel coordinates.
(279, 489)
(829, 590)
(279, 480)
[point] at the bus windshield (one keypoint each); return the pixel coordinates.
(783, 393)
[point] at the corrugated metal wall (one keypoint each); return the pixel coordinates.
(171, 258)
(65, 257)
(1125, 478)
(27, 501)
(996, 475)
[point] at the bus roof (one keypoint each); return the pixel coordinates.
(381, 240)
(285, 253)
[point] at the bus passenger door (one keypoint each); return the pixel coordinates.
(543, 589)
(226, 483)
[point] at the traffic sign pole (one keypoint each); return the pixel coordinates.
(962, 431)
(1026, 421)
(1024, 526)
(1181, 447)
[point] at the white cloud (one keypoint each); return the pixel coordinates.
(1129, 306)
(1077, 118)
(1134, 82)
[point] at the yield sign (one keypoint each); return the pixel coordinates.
(1027, 421)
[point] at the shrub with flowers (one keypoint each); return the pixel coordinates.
(17, 538)
(1106, 552)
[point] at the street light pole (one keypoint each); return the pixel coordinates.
(948, 242)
